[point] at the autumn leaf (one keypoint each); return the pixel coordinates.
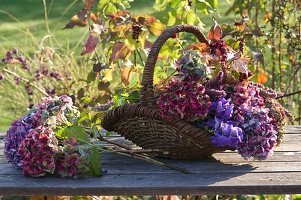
(198, 46)
(240, 65)
(119, 15)
(154, 26)
(88, 4)
(257, 32)
(215, 33)
(120, 51)
(262, 77)
(80, 19)
(267, 17)
(93, 17)
(91, 43)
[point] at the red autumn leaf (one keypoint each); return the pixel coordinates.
(215, 33)
(91, 43)
(150, 20)
(80, 19)
(88, 4)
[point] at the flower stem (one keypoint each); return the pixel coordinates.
(139, 154)
(26, 81)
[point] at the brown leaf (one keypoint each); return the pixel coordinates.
(80, 19)
(88, 4)
(148, 45)
(257, 32)
(141, 20)
(267, 17)
(198, 46)
(119, 14)
(120, 51)
(103, 85)
(215, 33)
(91, 43)
(93, 17)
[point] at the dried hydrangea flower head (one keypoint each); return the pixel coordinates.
(37, 151)
(16, 133)
(184, 100)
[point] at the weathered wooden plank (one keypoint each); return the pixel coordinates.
(151, 184)
(125, 165)
(231, 175)
(293, 129)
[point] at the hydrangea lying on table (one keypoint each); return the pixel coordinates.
(240, 114)
(49, 141)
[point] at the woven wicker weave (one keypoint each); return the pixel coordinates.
(142, 124)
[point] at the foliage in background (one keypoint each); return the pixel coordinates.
(123, 39)
(276, 44)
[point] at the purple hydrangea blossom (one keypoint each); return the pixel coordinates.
(223, 109)
(260, 132)
(252, 115)
(226, 135)
(16, 133)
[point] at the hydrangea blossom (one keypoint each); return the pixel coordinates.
(226, 134)
(252, 115)
(36, 152)
(184, 100)
(260, 134)
(16, 133)
(192, 64)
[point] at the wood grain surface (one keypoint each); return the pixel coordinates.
(224, 173)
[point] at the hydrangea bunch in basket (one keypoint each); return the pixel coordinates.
(49, 141)
(208, 105)
(212, 90)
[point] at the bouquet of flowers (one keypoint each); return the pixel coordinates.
(212, 90)
(48, 140)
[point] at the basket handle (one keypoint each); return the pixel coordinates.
(147, 96)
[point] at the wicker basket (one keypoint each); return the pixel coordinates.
(142, 124)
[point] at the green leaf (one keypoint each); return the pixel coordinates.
(91, 77)
(110, 8)
(172, 18)
(160, 4)
(174, 3)
(84, 116)
(190, 17)
(213, 3)
(59, 132)
(101, 4)
(95, 161)
(135, 95)
(76, 132)
(134, 80)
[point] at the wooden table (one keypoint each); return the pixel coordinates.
(225, 173)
